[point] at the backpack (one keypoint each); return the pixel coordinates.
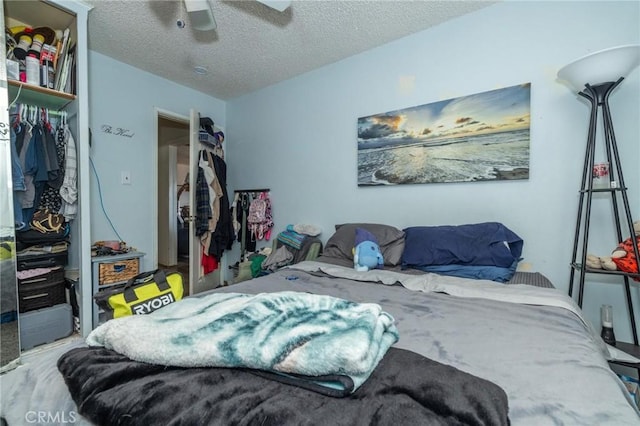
(259, 218)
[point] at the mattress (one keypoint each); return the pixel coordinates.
(531, 341)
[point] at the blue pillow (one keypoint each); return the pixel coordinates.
(481, 244)
(493, 273)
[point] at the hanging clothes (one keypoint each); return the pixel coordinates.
(19, 187)
(241, 214)
(217, 191)
(51, 199)
(260, 219)
(234, 214)
(27, 155)
(203, 205)
(213, 215)
(209, 263)
(215, 194)
(215, 235)
(45, 165)
(223, 236)
(40, 176)
(69, 188)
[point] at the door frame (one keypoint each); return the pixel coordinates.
(194, 257)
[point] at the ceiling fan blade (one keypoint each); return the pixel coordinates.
(279, 5)
(200, 15)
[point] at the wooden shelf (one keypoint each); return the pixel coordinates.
(24, 93)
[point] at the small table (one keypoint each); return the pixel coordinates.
(115, 260)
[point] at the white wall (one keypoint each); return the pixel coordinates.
(299, 137)
(125, 97)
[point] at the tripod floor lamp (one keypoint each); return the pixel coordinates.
(594, 77)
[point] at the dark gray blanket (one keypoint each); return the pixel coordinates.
(405, 389)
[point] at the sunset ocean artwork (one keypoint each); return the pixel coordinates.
(480, 137)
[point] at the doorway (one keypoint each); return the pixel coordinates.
(173, 195)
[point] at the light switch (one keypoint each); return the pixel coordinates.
(125, 177)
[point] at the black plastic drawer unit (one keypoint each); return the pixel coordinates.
(45, 260)
(42, 290)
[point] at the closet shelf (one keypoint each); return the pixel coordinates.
(36, 95)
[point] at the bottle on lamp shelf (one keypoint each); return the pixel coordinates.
(606, 315)
(601, 176)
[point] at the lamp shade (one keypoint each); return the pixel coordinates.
(604, 66)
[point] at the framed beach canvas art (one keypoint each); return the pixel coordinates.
(480, 137)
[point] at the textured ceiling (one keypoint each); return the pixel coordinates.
(255, 46)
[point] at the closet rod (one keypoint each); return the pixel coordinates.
(49, 111)
(59, 113)
(237, 191)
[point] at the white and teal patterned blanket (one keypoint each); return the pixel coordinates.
(285, 332)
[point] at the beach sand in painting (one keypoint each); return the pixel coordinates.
(519, 173)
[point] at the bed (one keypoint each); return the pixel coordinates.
(469, 351)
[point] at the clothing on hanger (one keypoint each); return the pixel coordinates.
(51, 198)
(19, 187)
(242, 212)
(42, 160)
(203, 206)
(69, 187)
(223, 235)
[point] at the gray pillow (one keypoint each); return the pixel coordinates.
(390, 240)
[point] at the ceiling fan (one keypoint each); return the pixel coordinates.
(201, 14)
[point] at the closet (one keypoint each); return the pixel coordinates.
(28, 101)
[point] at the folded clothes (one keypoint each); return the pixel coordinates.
(45, 249)
(307, 229)
(35, 272)
(292, 239)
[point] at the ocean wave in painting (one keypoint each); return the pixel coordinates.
(495, 156)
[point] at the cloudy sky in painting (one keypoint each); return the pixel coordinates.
(494, 111)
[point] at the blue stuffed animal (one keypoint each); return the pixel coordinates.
(366, 253)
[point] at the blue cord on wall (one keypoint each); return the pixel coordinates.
(93, 167)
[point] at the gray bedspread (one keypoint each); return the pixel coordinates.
(546, 358)
(549, 362)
